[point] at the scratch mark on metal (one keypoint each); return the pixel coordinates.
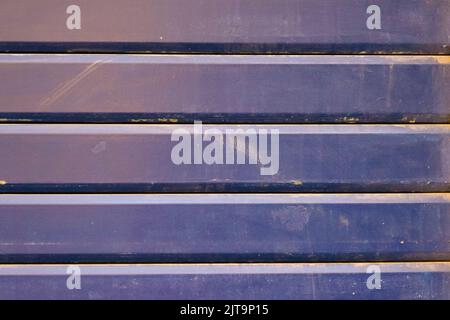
(63, 89)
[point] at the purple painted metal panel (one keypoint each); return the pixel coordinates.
(127, 158)
(226, 25)
(225, 227)
(234, 282)
(235, 89)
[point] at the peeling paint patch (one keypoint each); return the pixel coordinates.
(409, 120)
(15, 120)
(350, 119)
(140, 120)
(171, 120)
(164, 120)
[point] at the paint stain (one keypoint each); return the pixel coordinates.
(99, 147)
(293, 218)
(344, 221)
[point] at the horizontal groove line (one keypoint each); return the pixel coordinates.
(288, 189)
(164, 128)
(218, 53)
(87, 262)
(157, 118)
(228, 123)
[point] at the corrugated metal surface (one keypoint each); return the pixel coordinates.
(348, 101)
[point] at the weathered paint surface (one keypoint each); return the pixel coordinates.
(292, 26)
(225, 227)
(297, 238)
(231, 281)
(220, 89)
(138, 158)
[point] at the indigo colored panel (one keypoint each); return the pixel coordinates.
(180, 158)
(288, 26)
(233, 282)
(224, 89)
(224, 228)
